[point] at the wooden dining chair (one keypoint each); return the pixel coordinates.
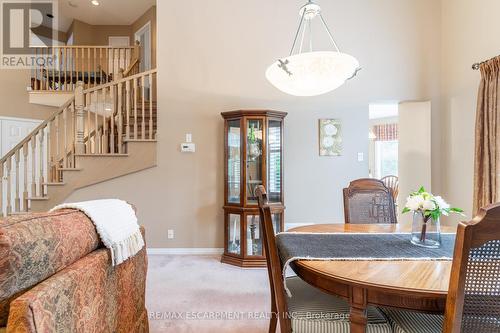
(392, 183)
(473, 301)
(367, 201)
(309, 309)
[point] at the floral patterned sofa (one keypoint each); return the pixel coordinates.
(56, 276)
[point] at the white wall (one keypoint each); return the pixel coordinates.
(211, 58)
(470, 33)
(414, 151)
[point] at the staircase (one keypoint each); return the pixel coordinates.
(102, 132)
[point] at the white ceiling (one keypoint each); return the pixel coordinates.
(109, 12)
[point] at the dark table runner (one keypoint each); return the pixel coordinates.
(355, 246)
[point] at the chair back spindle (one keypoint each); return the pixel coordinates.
(392, 183)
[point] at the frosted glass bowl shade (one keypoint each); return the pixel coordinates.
(312, 73)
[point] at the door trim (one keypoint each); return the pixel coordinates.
(110, 38)
(144, 28)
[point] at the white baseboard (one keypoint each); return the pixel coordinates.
(184, 250)
(201, 250)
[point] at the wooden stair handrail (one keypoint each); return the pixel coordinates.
(37, 129)
(125, 79)
(134, 62)
(132, 108)
(11, 152)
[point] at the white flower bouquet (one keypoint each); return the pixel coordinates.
(429, 207)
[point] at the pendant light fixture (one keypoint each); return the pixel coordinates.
(311, 73)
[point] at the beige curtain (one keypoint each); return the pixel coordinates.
(487, 138)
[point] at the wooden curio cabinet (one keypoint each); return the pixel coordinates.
(253, 155)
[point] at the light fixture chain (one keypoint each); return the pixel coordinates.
(329, 33)
(297, 33)
(310, 36)
(302, 39)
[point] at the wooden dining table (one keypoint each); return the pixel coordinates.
(420, 285)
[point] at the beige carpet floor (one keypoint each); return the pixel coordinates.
(200, 294)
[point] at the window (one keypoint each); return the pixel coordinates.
(386, 158)
(385, 150)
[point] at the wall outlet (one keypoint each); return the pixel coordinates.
(170, 234)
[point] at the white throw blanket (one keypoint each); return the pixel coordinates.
(116, 224)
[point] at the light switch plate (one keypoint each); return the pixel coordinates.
(170, 234)
(361, 157)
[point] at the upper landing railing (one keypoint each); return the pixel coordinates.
(59, 68)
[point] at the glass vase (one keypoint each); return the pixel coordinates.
(425, 231)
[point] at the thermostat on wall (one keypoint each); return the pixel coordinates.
(188, 147)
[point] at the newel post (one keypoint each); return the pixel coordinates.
(137, 50)
(79, 114)
(119, 75)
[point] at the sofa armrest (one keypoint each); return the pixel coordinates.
(88, 296)
(35, 246)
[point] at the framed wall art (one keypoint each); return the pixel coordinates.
(330, 137)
